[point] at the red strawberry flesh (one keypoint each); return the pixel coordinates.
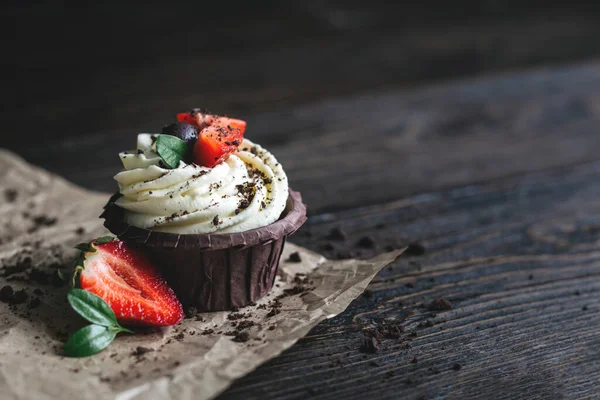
(131, 285)
(215, 144)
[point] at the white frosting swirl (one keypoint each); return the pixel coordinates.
(247, 191)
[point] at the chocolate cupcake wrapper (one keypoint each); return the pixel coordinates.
(217, 280)
(214, 272)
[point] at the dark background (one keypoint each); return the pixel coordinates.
(131, 67)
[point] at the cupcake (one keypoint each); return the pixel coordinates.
(210, 208)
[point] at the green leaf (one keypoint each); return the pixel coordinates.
(120, 329)
(171, 149)
(89, 340)
(85, 247)
(92, 307)
(104, 240)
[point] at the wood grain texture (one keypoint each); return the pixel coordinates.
(380, 146)
(126, 67)
(517, 257)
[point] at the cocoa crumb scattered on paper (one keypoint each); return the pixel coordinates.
(294, 257)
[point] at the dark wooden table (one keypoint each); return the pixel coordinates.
(494, 180)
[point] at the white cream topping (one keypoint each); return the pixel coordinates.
(247, 191)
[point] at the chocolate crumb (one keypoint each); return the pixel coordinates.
(6, 293)
(415, 249)
(274, 311)
(80, 230)
(20, 296)
(336, 234)
(271, 328)
(369, 344)
(295, 290)
(295, 257)
(241, 337)
(208, 331)
(180, 336)
(236, 316)
(393, 331)
(44, 220)
(440, 304)
(216, 220)
(366, 242)
(10, 195)
(245, 324)
(141, 350)
(34, 303)
(457, 367)
(191, 311)
(140, 151)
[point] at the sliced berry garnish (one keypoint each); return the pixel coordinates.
(196, 117)
(202, 120)
(215, 144)
(130, 284)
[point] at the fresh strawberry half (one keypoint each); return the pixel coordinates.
(129, 283)
(215, 144)
(202, 120)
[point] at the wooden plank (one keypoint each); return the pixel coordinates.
(384, 145)
(517, 257)
(127, 69)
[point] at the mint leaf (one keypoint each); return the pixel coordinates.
(104, 240)
(171, 149)
(92, 308)
(89, 340)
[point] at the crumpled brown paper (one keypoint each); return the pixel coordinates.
(43, 216)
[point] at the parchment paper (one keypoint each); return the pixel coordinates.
(42, 216)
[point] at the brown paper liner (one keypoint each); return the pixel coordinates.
(214, 272)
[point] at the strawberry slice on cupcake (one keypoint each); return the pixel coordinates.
(218, 136)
